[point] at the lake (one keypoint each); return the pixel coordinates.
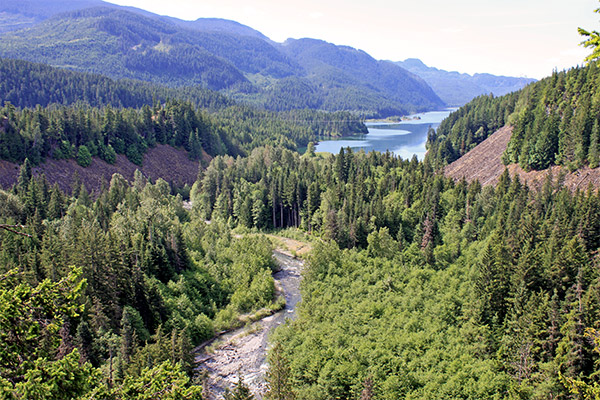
(403, 138)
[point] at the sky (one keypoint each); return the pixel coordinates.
(524, 38)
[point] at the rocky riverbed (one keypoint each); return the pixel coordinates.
(243, 351)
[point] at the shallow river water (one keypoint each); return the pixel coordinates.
(244, 350)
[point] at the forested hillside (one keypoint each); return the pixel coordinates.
(422, 287)
(463, 291)
(555, 123)
(345, 74)
(220, 55)
(418, 286)
(82, 132)
(446, 290)
(121, 44)
(73, 115)
(26, 84)
(107, 298)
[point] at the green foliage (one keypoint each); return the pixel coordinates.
(56, 380)
(80, 131)
(504, 275)
(553, 123)
(240, 391)
(592, 41)
(157, 279)
(84, 157)
(278, 376)
(104, 40)
(127, 45)
(30, 320)
(165, 381)
(497, 271)
(468, 126)
(27, 84)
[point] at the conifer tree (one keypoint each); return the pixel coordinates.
(240, 392)
(592, 41)
(84, 157)
(278, 376)
(56, 204)
(25, 175)
(593, 153)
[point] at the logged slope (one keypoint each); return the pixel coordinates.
(162, 161)
(555, 123)
(484, 163)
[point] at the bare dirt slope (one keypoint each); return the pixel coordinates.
(484, 163)
(162, 161)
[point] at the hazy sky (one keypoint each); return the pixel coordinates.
(504, 37)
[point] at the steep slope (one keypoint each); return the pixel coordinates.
(122, 45)
(484, 163)
(335, 69)
(221, 55)
(555, 123)
(457, 89)
(172, 165)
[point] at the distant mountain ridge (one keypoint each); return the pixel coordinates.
(126, 42)
(457, 89)
(26, 13)
(217, 54)
(334, 68)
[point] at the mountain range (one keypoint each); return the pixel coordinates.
(457, 89)
(125, 42)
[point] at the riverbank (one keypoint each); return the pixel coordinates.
(243, 351)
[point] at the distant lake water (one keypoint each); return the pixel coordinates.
(404, 138)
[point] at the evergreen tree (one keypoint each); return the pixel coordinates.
(84, 157)
(594, 152)
(592, 41)
(240, 391)
(278, 376)
(56, 205)
(24, 178)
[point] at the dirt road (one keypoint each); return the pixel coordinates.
(244, 350)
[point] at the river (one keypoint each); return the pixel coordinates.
(403, 138)
(244, 350)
